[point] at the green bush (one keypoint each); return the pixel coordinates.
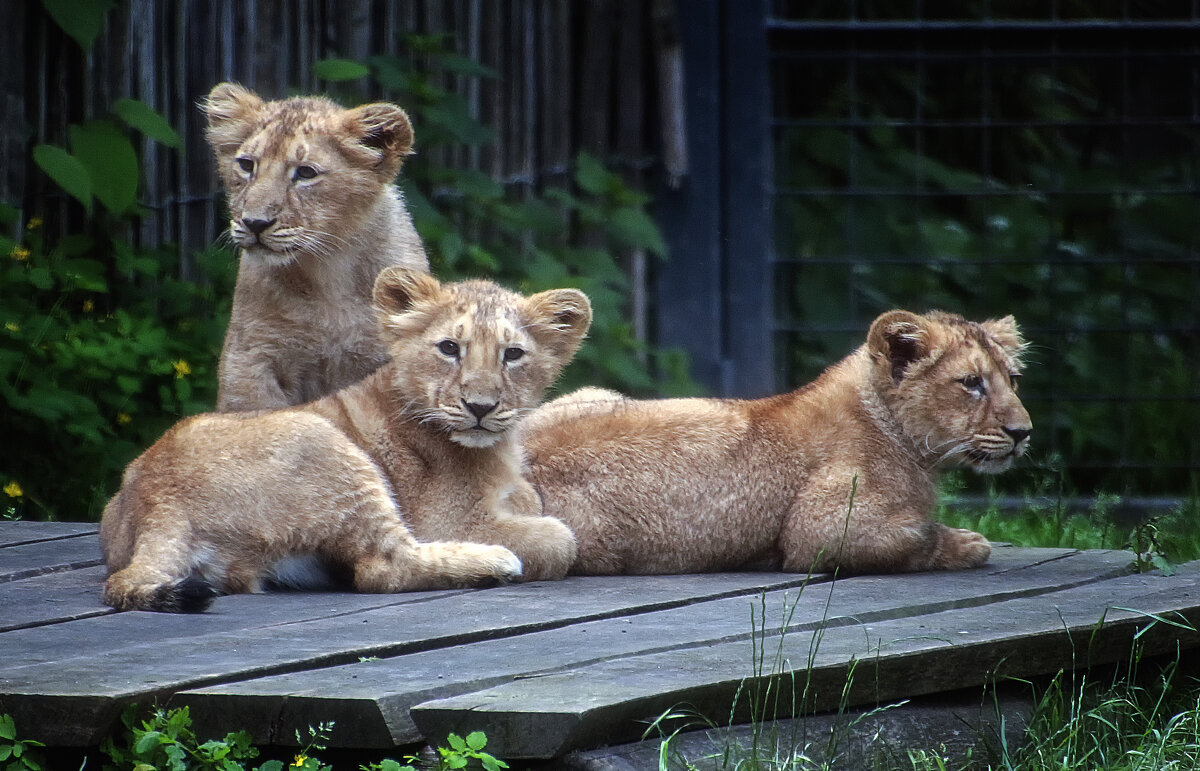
(103, 346)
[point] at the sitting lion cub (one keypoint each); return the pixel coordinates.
(839, 474)
(315, 216)
(374, 483)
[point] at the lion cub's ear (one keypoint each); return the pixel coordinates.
(898, 338)
(1005, 332)
(560, 319)
(383, 128)
(400, 290)
(232, 112)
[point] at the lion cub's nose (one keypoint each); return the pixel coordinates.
(1017, 434)
(479, 410)
(257, 226)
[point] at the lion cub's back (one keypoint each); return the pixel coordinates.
(630, 476)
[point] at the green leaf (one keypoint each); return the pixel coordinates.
(340, 69)
(591, 175)
(110, 161)
(142, 117)
(456, 742)
(476, 740)
(633, 227)
(81, 19)
(41, 278)
(66, 171)
(461, 65)
(148, 741)
(6, 751)
(8, 727)
(271, 765)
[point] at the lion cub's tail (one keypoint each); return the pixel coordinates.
(134, 589)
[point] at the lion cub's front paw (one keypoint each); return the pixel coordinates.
(501, 564)
(964, 549)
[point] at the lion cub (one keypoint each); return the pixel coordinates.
(395, 483)
(315, 216)
(837, 475)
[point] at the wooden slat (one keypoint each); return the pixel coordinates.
(16, 533)
(68, 682)
(52, 598)
(369, 702)
(49, 556)
(609, 701)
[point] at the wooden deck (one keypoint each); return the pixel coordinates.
(549, 667)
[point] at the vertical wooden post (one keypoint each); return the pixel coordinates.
(713, 294)
(746, 144)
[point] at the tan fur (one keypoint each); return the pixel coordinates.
(692, 485)
(393, 482)
(302, 325)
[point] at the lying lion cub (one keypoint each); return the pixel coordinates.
(374, 483)
(839, 474)
(315, 216)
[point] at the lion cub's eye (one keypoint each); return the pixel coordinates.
(972, 383)
(305, 172)
(448, 348)
(513, 353)
(246, 165)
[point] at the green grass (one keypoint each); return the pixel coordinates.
(1158, 541)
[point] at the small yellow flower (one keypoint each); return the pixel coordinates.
(12, 326)
(88, 306)
(124, 418)
(299, 761)
(34, 223)
(182, 369)
(19, 253)
(13, 490)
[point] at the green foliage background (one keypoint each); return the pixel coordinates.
(103, 346)
(1060, 190)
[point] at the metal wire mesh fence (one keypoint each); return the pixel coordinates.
(1033, 158)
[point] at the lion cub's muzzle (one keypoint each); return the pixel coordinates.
(994, 452)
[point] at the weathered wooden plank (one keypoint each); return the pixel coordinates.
(49, 556)
(369, 702)
(611, 700)
(959, 724)
(21, 532)
(70, 681)
(52, 598)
